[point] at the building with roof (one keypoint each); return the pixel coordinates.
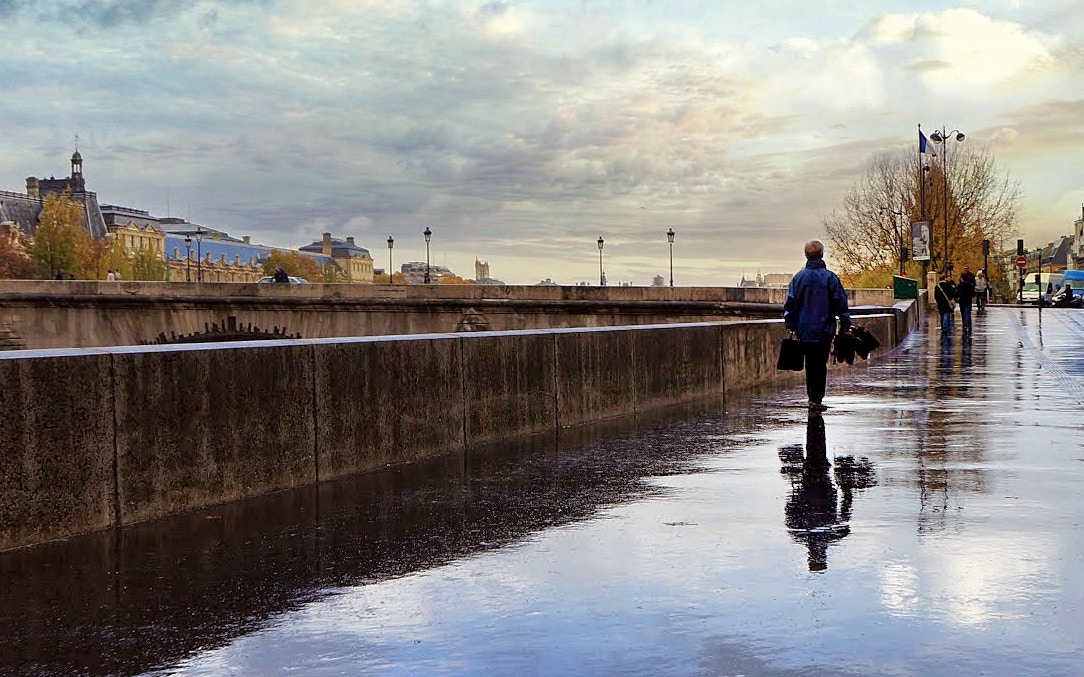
(354, 262)
(191, 251)
(24, 209)
(414, 272)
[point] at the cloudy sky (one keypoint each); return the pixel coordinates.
(521, 131)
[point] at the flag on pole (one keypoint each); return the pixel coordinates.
(924, 146)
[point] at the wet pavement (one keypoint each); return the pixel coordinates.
(930, 523)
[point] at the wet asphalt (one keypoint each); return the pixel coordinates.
(931, 522)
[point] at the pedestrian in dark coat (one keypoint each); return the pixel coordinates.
(815, 299)
(944, 295)
(965, 293)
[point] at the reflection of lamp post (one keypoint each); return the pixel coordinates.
(939, 136)
(199, 255)
(391, 243)
(188, 258)
(900, 249)
(428, 234)
(670, 240)
(601, 275)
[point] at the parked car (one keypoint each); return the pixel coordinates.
(271, 280)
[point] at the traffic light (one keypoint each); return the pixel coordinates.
(986, 247)
(1019, 247)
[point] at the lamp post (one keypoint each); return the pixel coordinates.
(188, 258)
(428, 235)
(199, 255)
(391, 243)
(670, 241)
(901, 251)
(939, 136)
(601, 275)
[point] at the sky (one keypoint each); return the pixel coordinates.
(521, 132)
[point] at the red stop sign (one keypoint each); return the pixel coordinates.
(1022, 261)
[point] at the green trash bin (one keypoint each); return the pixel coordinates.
(904, 287)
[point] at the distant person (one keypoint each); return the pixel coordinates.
(1065, 299)
(59, 275)
(116, 275)
(982, 286)
(110, 276)
(281, 276)
(815, 298)
(965, 293)
(944, 295)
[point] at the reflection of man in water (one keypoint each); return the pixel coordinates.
(814, 514)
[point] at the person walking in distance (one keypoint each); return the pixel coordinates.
(815, 298)
(944, 295)
(982, 285)
(965, 292)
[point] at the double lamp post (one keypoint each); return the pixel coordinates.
(188, 256)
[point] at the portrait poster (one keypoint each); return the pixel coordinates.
(920, 241)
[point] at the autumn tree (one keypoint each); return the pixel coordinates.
(331, 273)
(15, 264)
(103, 255)
(454, 279)
(147, 265)
(295, 264)
(869, 230)
(60, 241)
(396, 278)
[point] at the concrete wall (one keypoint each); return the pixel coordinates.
(92, 438)
(79, 314)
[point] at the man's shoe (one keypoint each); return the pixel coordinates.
(817, 406)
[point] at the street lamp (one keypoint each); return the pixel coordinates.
(188, 258)
(670, 240)
(391, 243)
(199, 255)
(428, 234)
(900, 249)
(939, 136)
(601, 275)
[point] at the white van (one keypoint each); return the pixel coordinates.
(1032, 291)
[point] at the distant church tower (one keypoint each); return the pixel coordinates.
(77, 182)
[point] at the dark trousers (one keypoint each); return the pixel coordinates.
(816, 368)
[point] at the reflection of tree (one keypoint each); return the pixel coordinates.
(814, 514)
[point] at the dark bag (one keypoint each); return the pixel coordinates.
(790, 355)
(866, 341)
(843, 347)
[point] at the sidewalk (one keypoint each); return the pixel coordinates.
(931, 522)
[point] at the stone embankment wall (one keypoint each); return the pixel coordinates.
(80, 314)
(92, 438)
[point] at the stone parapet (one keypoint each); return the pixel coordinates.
(94, 438)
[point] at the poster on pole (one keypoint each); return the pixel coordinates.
(920, 240)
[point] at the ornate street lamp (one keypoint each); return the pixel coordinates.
(670, 240)
(188, 258)
(391, 243)
(939, 136)
(199, 255)
(601, 275)
(428, 234)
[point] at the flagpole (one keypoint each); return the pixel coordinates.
(921, 177)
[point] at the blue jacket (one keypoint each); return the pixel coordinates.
(815, 299)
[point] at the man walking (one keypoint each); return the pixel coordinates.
(965, 292)
(815, 299)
